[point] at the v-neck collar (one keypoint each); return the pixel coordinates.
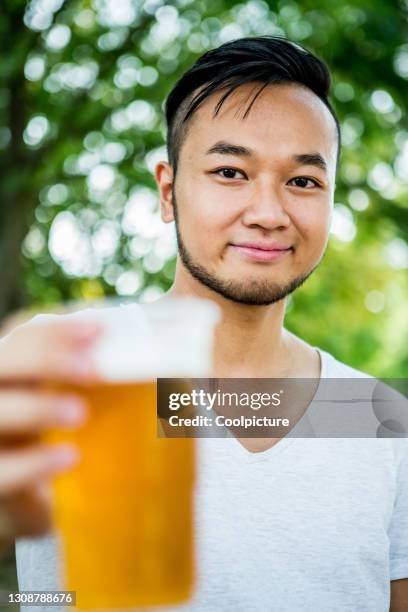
(250, 457)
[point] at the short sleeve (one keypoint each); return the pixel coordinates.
(398, 531)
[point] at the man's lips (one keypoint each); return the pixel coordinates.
(261, 252)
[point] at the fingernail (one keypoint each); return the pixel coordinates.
(71, 411)
(64, 455)
(83, 367)
(85, 332)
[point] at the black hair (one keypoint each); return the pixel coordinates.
(265, 59)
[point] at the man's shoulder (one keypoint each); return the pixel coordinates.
(380, 394)
(334, 368)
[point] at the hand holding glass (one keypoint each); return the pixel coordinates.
(124, 513)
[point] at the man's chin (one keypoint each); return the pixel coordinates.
(252, 296)
(249, 292)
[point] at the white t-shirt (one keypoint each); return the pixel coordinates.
(311, 524)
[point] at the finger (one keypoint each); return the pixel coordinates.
(18, 468)
(53, 347)
(24, 412)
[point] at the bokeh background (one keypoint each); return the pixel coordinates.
(82, 86)
(81, 127)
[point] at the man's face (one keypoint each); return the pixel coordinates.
(253, 225)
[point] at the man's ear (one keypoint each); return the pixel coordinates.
(164, 178)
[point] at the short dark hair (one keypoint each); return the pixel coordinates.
(265, 59)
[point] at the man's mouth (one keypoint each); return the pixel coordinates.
(261, 251)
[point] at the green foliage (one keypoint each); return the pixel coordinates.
(81, 126)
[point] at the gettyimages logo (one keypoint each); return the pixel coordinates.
(206, 407)
(200, 398)
(227, 409)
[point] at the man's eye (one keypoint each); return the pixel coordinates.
(303, 181)
(228, 173)
(231, 173)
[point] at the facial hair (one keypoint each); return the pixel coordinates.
(251, 292)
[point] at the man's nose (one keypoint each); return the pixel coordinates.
(266, 209)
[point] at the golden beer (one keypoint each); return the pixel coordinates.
(130, 544)
(124, 513)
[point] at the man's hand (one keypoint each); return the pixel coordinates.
(31, 354)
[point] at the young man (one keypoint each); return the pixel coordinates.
(291, 524)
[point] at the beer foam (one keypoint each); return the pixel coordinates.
(172, 337)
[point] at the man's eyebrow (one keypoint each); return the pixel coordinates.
(310, 159)
(305, 159)
(227, 148)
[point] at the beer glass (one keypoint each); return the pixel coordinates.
(124, 513)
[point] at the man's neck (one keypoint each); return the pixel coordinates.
(250, 341)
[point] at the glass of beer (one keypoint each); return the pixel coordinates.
(124, 513)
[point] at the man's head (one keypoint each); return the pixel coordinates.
(244, 182)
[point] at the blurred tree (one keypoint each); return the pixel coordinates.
(82, 85)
